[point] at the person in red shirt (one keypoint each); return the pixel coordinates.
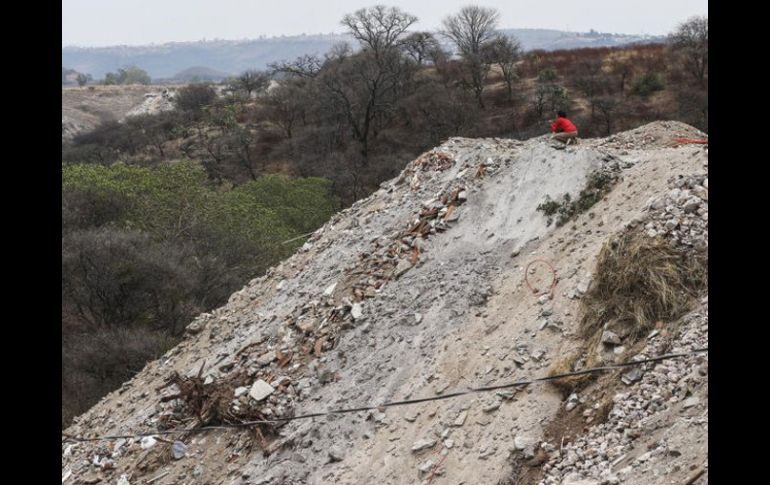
(563, 129)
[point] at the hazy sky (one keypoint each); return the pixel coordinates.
(111, 22)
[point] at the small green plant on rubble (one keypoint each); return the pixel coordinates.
(598, 185)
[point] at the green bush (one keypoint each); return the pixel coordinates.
(145, 249)
(647, 84)
(599, 183)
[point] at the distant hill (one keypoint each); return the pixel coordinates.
(200, 73)
(229, 57)
(550, 40)
(224, 56)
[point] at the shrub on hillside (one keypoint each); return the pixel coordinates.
(98, 361)
(647, 84)
(194, 97)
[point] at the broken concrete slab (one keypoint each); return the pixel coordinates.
(260, 390)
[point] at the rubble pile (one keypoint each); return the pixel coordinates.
(416, 291)
(681, 214)
(154, 103)
(625, 445)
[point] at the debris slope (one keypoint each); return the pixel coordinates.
(446, 278)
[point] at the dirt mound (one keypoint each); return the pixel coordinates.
(414, 292)
(657, 134)
(85, 108)
(154, 103)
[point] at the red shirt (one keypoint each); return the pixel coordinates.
(562, 124)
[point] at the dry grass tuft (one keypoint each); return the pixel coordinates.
(639, 281)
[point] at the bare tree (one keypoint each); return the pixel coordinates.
(421, 46)
(82, 79)
(691, 39)
(365, 91)
(253, 81)
(608, 108)
(470, 30)
(621, 64)
(365, 87)
(589, 80)
(505, 53)
(549, 93)
(286, 105)
(305, 66)
(378, 28)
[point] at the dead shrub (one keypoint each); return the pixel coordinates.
(569, 363)
(639, 281)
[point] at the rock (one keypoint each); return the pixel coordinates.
(691, 205)
(584, 284)
(492, 407)
(123, 480)
(357, 311)
(426, 467)
(572, 402)
(423, 444)
(672, 224)
(281, 380)
(543, 299)
(460, 420)
(610, 338)
(240, 391)
(335, 454)
(306, 325)
(402, 267)
(411, 416)
(632, 376)
(449, 444)
(417, 318)
(521, 442)
(690, 402)
(195, 327)
(519, 359)
(147, 442)
(91, 478)
(178, 450)
(260, 390)
(462, 195)
(330, 289)
(266, 358)
(658, 203)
